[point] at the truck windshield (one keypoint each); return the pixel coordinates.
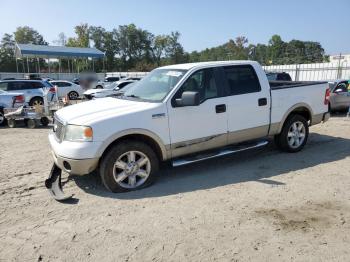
(156, 85)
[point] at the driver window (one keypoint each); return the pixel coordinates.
(203, 82)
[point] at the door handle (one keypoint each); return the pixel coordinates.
(262, 101)
(220, 108)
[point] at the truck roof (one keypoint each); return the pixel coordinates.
(212, 63)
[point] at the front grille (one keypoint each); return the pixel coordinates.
(58, 129)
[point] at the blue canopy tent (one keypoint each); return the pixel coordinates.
(57, 52)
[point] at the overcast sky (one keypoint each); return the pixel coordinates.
(202, 23)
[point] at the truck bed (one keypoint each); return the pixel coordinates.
(291, 84)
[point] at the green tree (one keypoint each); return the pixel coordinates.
(27, 35)
(174, 51)
(7, 56)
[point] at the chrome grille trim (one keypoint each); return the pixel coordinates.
(58, 129)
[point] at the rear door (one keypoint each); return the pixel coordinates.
(202, 127)
(247, 104)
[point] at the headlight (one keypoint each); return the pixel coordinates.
(78, 133)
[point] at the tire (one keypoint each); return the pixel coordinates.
(11, 123)
(121, 153)
(31, 123)
(293, 139)
(2, 118)
(99, 87)
(44, 121)
(73, 95)
(36, 101)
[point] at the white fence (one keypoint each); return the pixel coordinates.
(127, 74)
(56, 76)
(314, 72)
(299, 72)
(71, 76)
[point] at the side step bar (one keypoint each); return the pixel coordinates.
(226, 151)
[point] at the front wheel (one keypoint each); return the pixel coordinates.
(294, 134)
(2, 117)
(129, 165)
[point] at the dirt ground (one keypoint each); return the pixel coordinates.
(260, 205)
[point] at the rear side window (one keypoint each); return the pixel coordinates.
(3, 86)
(36, 85)
(12, 86)
(241, 80)
(61, 84)
(284, 77)
(121, 85)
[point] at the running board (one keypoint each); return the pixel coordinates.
(224, 152)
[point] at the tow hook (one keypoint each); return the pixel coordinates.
(54, 185)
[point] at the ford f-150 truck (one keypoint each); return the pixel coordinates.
(183, 114)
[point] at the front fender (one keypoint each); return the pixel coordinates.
(135, 131)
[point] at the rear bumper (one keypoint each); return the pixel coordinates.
(75, 166)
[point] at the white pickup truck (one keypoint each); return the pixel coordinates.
(183, 114)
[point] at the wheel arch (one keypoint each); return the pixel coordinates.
(302, 109)
(148, 137)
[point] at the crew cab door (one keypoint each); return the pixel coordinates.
(201, 127)
(248, 104)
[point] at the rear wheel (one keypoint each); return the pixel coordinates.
(31, 123)
(73, 95)
(36, 101)
(129, 165)
(44, 121)
(11, 123)
(294, 134)
(2, 117)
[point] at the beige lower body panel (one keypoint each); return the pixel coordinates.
(216, 141)
(247, 134)
(198, 145)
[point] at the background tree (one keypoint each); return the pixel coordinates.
(61, 40)
(7, 54)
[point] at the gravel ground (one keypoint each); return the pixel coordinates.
(260, 205)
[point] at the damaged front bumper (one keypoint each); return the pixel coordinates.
(54, 185)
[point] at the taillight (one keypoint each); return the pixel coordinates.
(19, 99)
(326, 96)
(52, 89)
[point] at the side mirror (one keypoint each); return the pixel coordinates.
(339, 90)
(188, 99)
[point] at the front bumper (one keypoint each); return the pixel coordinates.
(78, 158)
(326, 117)
(75, 166)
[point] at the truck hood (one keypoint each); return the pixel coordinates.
(87, 113)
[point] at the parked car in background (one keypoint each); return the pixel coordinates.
(278, 76)
(9, 100)
(67, 89)
(108, 90)
(133, 78)
(113, 78)
(183, 113)
(339, 95)
(89, 82)
(33, 90)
